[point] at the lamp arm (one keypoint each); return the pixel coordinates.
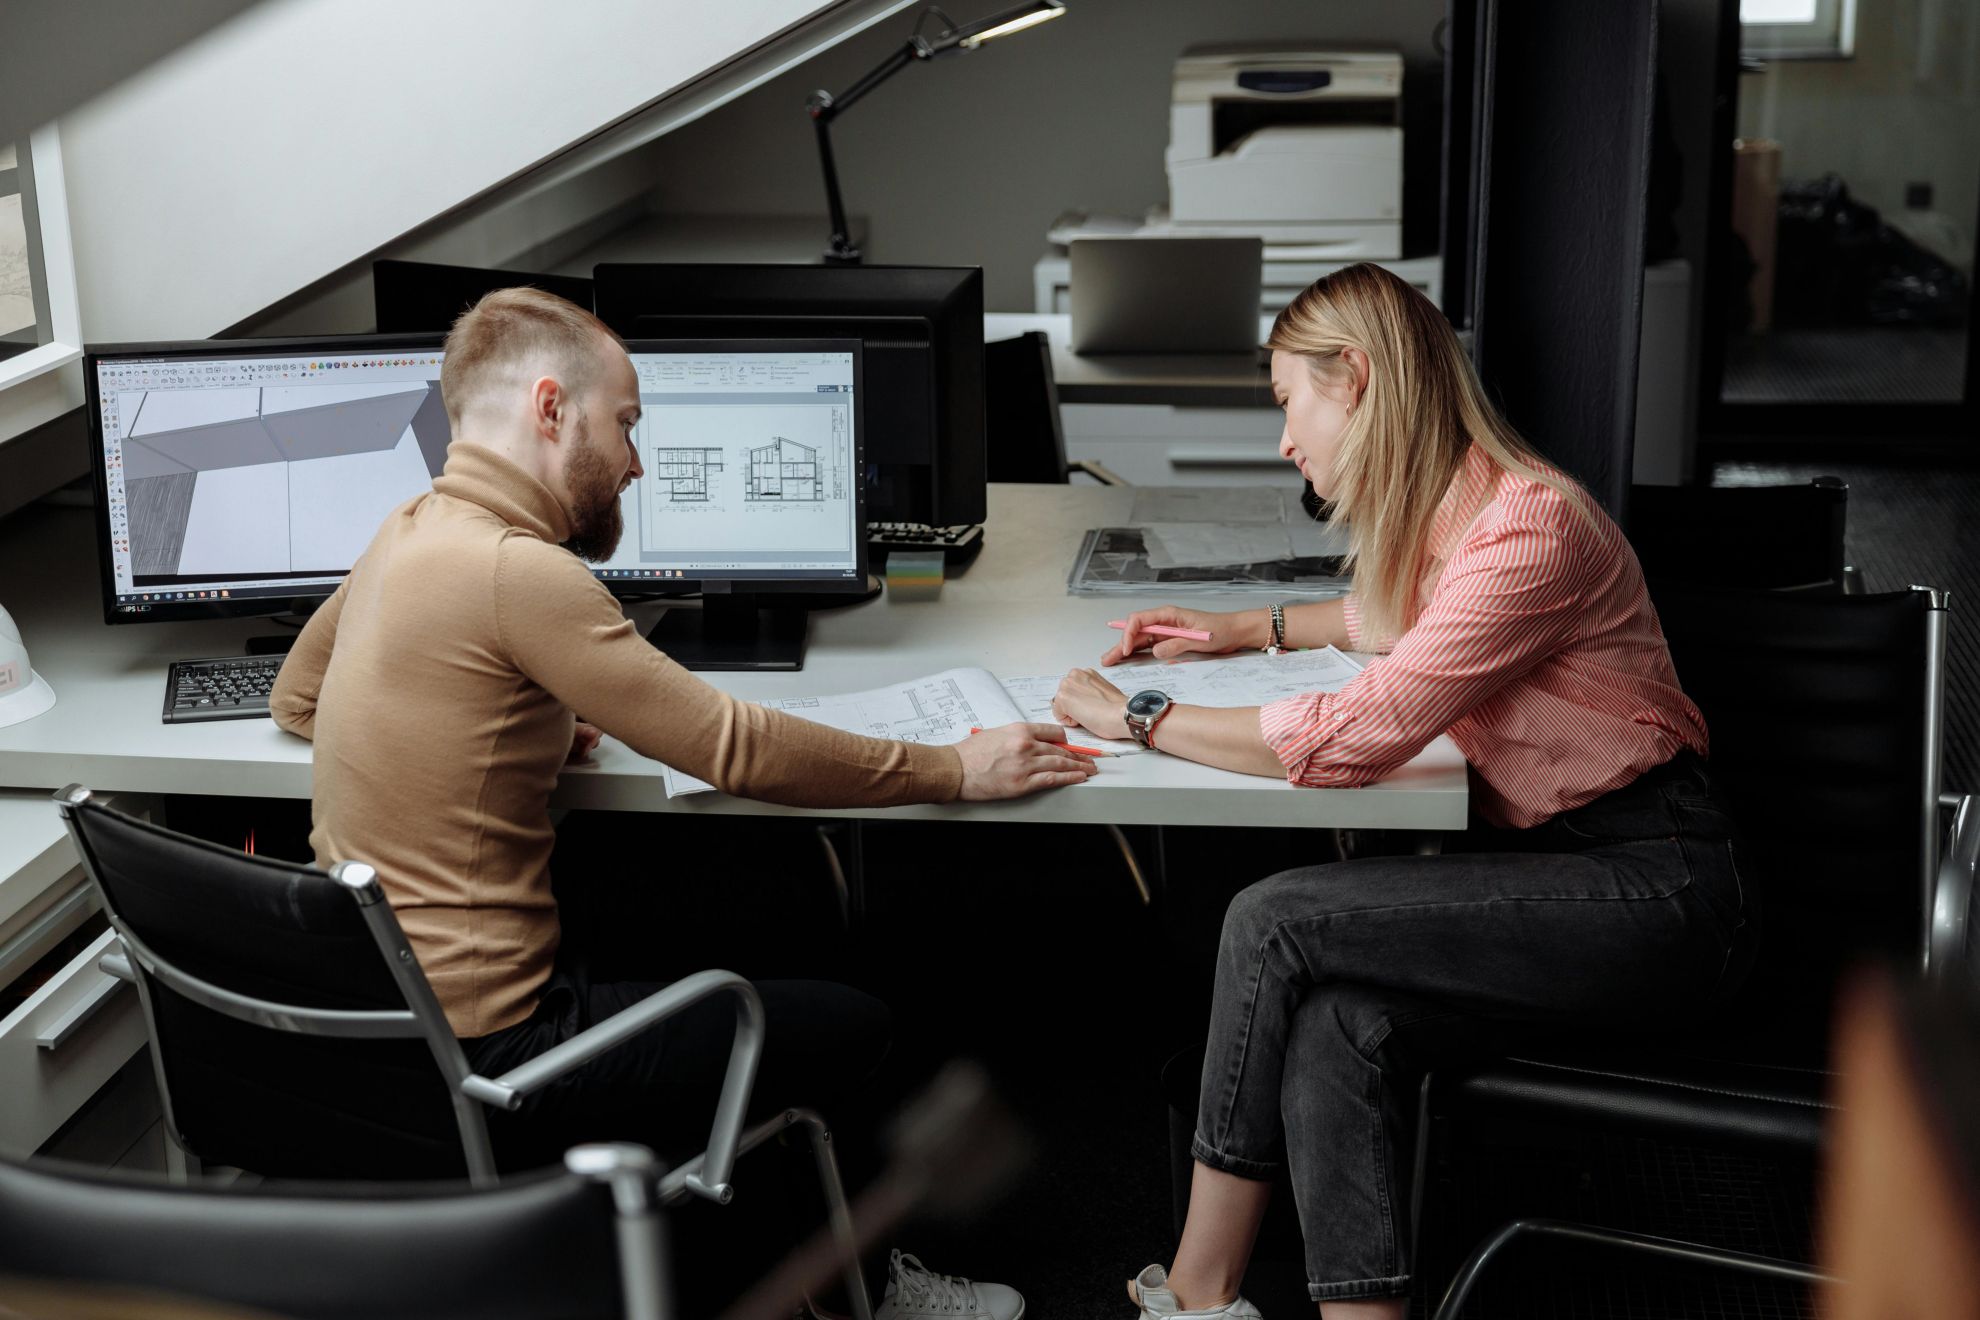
(841, 249)
(823, 107)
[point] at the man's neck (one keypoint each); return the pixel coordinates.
(523, 449)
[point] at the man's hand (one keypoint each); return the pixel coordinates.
(583, 740)
(1018, 759)
(1090, 701)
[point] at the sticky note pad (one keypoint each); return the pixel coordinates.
(915, 575)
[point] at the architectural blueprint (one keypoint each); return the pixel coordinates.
(685, 476)
(942, 708)
(784, 470)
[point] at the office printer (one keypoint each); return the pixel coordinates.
(1296, 144)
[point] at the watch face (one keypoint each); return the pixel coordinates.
(1147, 703)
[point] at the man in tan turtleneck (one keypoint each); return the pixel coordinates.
(439, 686)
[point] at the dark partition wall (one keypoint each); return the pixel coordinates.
(1562, 133)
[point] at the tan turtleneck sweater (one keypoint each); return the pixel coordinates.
(438, 685)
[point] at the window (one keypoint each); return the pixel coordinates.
(1797, 29)
(21, 322)
(40, 332)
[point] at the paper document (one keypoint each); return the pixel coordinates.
(942, 708)
(1250, 679)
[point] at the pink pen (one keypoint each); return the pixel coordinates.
(1160, 630)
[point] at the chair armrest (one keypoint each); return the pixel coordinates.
(1952, 895)
(1098, 471)
(508, 1090)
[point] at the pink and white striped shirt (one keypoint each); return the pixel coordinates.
(1537, 650)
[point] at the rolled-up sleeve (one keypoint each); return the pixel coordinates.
(1351, 617)
(1511, 597)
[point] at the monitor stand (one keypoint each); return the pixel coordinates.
(732, 633)
(283, 643)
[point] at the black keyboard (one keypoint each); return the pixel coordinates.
(958, 544)
(228, 688)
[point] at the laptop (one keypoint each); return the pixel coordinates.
(1166, 295)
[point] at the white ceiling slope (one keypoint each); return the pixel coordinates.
(305, 134)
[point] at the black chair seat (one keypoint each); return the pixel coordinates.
(1711, 1091)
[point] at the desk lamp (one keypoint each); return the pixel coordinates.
(23, 693)
(823, 107)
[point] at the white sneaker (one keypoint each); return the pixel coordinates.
(1150, 1291)
(914, 1291)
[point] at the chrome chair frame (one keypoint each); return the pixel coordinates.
(707, 1175)
(630, 1174)
(1951, 858)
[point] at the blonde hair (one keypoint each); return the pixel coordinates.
(510, 328)
(1404, 442)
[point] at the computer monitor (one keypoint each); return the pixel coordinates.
(752, 450)
(412, 297)
(245, 477)
(923, 331)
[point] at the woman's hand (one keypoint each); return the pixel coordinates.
(1228, 632)
(1090, 701)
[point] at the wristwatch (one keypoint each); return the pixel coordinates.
(1144, 711)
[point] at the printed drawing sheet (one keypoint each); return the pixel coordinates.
(942, 708)
(1250, 679)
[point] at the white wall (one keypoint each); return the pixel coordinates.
(968, 159)
(306, 134)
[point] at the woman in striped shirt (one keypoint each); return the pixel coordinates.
(1597, 885)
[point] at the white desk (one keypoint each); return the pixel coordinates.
(1008, 613)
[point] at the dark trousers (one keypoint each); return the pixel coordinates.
(631, 926)
(821, 1042)
(1339, 985)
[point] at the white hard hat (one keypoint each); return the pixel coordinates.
(24, 694)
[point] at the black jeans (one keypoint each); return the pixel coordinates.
(1338, 985)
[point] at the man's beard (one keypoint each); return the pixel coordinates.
(596, 522)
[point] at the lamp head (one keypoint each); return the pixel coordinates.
(971, 35)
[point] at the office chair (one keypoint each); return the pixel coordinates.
(293, 1032)
(1027, 440)
(582, 1241)
(1779, 537)
(1826, 715)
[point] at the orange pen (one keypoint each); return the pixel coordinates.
(1074, 747)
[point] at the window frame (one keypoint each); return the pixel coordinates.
(46, 381)
(1830, 35)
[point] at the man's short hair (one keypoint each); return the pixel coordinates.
(510, 330)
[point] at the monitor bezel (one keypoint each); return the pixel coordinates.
(179, 611)
(948, 298)
(396, 284)
(856, 584)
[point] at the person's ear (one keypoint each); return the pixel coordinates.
(546, 406)
(1357, 364)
